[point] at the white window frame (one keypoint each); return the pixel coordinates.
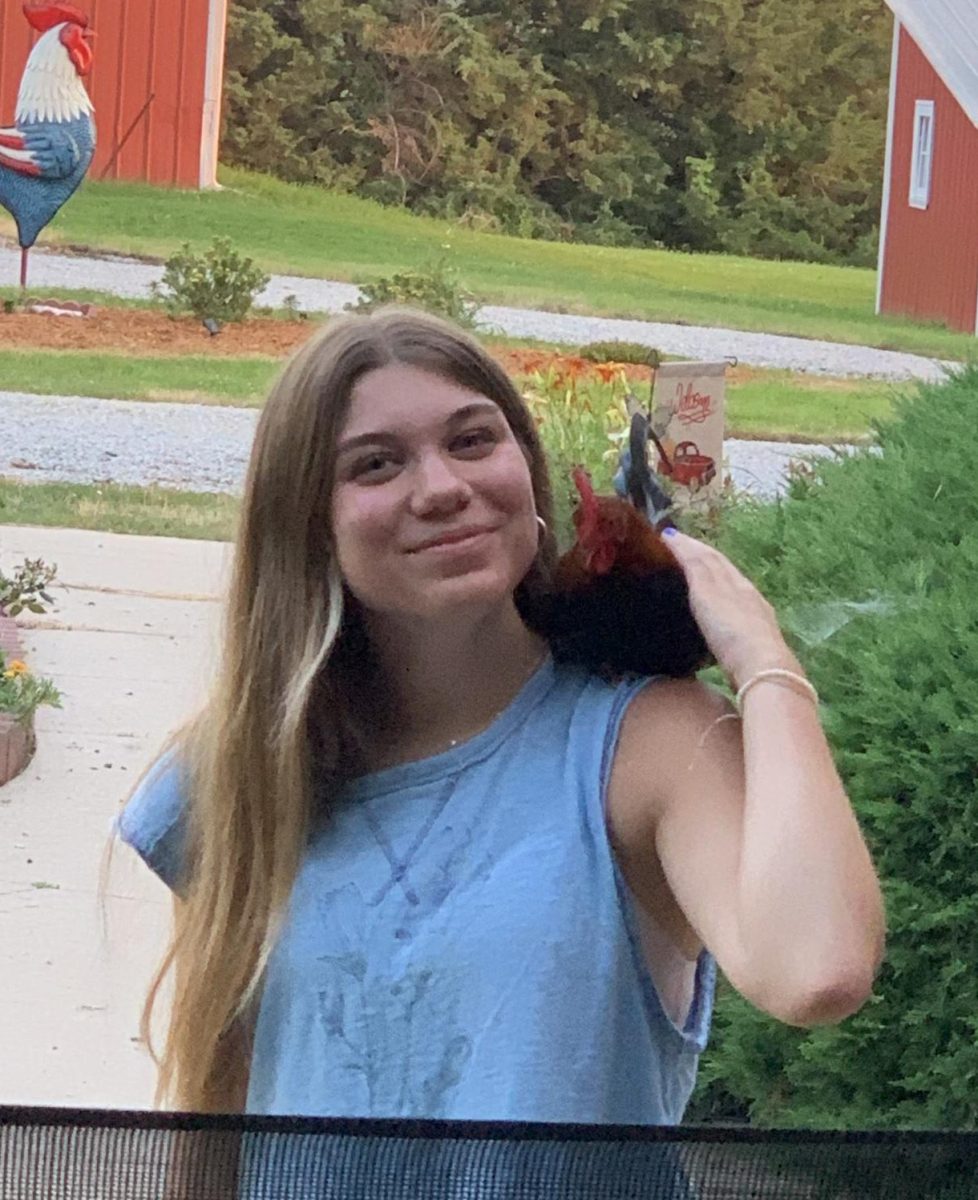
(922, 157)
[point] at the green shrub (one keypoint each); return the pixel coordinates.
(218, 285)
(22, 692)
(293, 309)
(873, 567)
(435, 288)
(621, 352)
(26, 588)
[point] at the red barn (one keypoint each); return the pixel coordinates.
(156, 85)
(928, 264)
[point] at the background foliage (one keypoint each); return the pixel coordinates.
(736, 125)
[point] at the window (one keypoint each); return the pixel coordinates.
(922, 161)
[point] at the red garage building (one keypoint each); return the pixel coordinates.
(928, 264)
(156, 85)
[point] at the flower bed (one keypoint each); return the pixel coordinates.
(21, 691)
(17, 740)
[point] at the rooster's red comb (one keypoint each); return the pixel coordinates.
(586, 516)
(46, 16)
(582, 481)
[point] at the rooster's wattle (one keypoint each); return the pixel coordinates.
(45, 155)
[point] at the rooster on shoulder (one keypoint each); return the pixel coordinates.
(620, 601)
(45, 155)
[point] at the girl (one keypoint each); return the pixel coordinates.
(423, 871)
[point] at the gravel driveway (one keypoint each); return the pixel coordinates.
(205, 448)
(128, 277)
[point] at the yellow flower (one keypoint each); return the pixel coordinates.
(16, 668)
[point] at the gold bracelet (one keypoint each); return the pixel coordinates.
(797, 683)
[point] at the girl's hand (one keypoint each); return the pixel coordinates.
(739, 625)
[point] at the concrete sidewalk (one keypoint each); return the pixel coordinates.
(131, 645)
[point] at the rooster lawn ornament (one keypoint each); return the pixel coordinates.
(45, 155)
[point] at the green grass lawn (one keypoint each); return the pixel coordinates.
(783, 406)
(81, 295)
(309, 231)
(115, 508)
(779, 405)
(243, 382)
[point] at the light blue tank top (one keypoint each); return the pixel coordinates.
(460, 943)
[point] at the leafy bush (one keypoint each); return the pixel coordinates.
(218, 285)
(621, 352)
(435, 288)
(495, 205)
(872, 565)
(22, 692)
(25, 588)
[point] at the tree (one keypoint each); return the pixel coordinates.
(754, 126)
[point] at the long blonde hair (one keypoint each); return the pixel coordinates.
(281, 721)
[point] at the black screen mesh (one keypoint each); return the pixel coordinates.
(95, 1155)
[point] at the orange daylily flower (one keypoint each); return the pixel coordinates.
(608, 371)
(16, 668)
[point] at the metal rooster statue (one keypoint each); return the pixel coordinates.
(45, 155)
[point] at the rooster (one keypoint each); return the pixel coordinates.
(620, 601)
(46, 154)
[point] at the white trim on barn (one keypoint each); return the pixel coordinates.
(922, 154)
(888, 166)
(210, 133)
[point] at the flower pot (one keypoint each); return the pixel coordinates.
(9, 636)
(17, 745)
(16, 739)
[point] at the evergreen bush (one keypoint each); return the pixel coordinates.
(873, 567)
(621, 352)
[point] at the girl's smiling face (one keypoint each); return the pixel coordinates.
(433, 502)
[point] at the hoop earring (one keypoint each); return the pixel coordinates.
(543, 527)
